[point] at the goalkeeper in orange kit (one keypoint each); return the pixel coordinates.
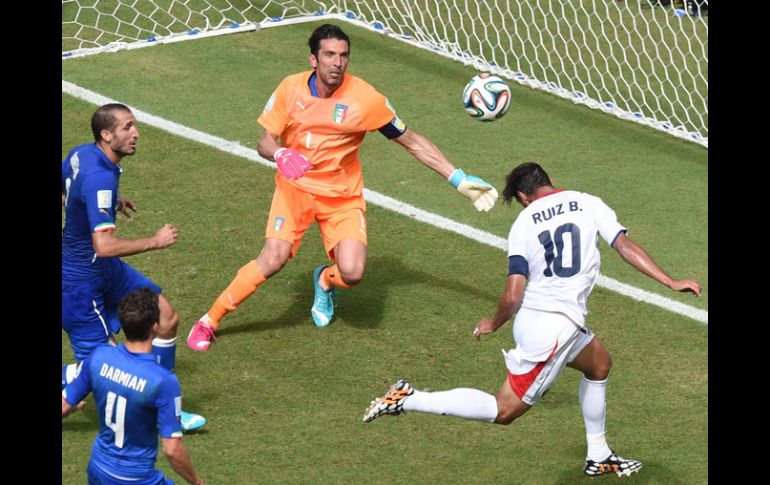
(314, 124)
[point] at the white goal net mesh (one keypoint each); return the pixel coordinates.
(642, 60)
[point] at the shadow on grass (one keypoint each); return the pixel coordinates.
(364, 306)
(651, 471)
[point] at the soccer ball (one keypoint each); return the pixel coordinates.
(486, 97)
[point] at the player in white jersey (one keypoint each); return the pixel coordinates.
(553, 252)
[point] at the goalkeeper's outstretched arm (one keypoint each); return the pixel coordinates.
(426, 152)
(482, 194)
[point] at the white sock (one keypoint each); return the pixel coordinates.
(593, 403)
(164, 342)
(461, 402)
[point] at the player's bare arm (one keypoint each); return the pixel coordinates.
(124, 205)
(67, 408)
(482, 194)
(106, 244)
(425, 152)
(635, 255)
(179, 459)
(291, 163)
(509, 304)
(268, 144)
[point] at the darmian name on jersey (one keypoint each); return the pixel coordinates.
(123, 378)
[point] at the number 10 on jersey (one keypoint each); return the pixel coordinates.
(562, 263)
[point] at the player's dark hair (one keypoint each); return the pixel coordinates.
(326, 31)
(138, 312)
(104, 119)
(526, 178)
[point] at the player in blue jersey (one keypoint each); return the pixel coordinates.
(94, 279)
(136, 399)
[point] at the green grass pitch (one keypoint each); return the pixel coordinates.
(284, 399)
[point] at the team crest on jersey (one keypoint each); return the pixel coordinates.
(340, 111)
(103, 199)
(278, 224)
(269, 104)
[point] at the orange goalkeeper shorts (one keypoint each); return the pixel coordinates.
(293, 211)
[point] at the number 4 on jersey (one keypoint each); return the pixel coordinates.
(117, 425)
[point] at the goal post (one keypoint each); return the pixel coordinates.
(640, 60)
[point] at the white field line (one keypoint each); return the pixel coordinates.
(382, 200)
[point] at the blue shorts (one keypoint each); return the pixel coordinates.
(97, 476)
(89, 309)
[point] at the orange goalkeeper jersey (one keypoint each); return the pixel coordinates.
(328, 131)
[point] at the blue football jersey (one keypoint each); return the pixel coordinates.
(136, 399)
(91, 181)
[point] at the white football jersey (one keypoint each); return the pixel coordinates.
(558, 237)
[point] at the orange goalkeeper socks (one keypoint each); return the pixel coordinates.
(330, 277)
(243, 285)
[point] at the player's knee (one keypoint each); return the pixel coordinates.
(507, 414)
(169, 322)
(352, 274)
(508, 410)
(604, 368)
(352, 279)
(271, 262)
(601, 370)
(504, 419)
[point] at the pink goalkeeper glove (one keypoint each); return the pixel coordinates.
(292, 164)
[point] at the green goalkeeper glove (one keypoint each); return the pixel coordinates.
(481, 193)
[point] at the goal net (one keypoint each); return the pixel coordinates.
(641, 60)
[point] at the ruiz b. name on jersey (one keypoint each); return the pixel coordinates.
(555, 210)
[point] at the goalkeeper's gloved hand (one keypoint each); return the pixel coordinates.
(292, 164)
(481, 193)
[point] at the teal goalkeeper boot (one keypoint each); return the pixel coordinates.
(191, 422)
(323, 301)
